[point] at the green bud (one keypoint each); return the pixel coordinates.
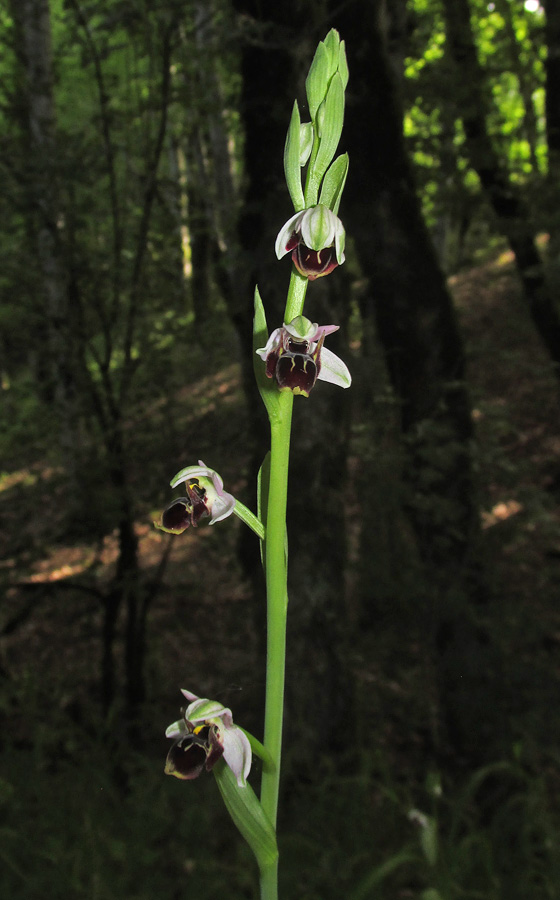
(330, 119)
(343, 65)
(333, 183)
(332, 45)
(317, 82)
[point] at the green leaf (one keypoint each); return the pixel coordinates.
(292, 167)
(248, 815)
(429, 840)
(333, 183)
(366, 887)
(263, 482)
(267, 387)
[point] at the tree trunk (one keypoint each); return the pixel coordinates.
(552, 101)
(416, 324)
(511, 214)
(551, 200)
(408, 298)
(32, 19)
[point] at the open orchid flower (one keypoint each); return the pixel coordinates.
(205, 734)
(205, 498)
(295, 356)
(315, 237)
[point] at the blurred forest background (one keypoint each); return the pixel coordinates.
(142, 189)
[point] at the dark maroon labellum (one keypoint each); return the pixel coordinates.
(314, 263)
(296, 372)
(185, 511)
(195, 751)
(296, 368)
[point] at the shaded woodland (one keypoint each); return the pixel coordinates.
(142, 191)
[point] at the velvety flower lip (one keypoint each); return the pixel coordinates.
(294, 355)
(205, 734)
(205, 498)
(315, 237)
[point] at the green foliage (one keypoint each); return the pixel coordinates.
(89, 818)
(509, 40)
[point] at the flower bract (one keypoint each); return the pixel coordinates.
(295, 357)
(205, 499)
(204, 735)
(315, 237)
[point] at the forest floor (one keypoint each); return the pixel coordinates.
(202, 637)
(516, 401)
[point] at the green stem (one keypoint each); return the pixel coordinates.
(277, 598)
(269, 882)
(277, 588)
(296, 296)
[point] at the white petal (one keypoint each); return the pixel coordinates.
(339, 242)
(191, 697)
(222, 507)
(285, 234)
(237, 753)
(271, 344)
(322, 331)
(333, 369)
(176, 729)
(199, 471)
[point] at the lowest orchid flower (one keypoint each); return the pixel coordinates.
(315, 237)
(204, 735)
(205, 498)
(295, 356)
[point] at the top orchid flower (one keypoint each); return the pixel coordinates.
(205, 498)
(316, 240)
(205, 734)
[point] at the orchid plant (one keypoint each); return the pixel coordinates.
(288, 363)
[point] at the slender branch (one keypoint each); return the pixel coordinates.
(149, 195)
(111, 171)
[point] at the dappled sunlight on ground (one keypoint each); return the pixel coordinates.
(500, 512)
